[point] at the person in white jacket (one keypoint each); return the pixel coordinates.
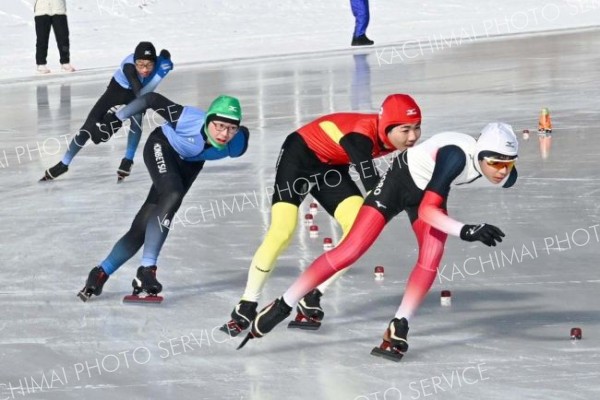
(51, 14)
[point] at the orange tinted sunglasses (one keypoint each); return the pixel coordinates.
(499, 164)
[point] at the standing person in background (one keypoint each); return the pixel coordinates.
(360, 10)
(51, 14)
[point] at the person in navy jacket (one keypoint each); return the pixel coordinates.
(174, 155)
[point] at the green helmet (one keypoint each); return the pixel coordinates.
(226, 109)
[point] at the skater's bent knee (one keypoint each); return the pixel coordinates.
(284, 217)
(279, 234)
(342, 257)
(171, 201)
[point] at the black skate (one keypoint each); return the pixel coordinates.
(394, 343)
(241, 317)
(96, 280)
(145, 282)
(124, 169)
(267, 319)
(362, 40)
(54, 172)
(310, 313)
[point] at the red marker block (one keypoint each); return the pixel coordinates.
(308, 220)
(379, 271)
(313, 208)
(526, 134)
(446, 298)
(576, 334)
(314, 231)
(327, 244)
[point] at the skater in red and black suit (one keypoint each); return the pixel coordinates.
(418, 184)
(316, 159)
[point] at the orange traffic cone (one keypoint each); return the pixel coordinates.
(545, 123)
(544, 133)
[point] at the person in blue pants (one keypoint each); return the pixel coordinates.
(360, 10)
(138, 74)
(174, 154)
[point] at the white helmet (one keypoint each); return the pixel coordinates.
(498, 138)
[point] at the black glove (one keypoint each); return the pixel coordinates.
(164, 53)
(485, 233)
(104, 130)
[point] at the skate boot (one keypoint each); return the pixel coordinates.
(394, 343)
(124, 169)
(145, 282)
(96, 280)
(310, 312)
(55, 172)
(241, 317)
(267, 319)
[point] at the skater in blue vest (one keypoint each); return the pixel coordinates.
(174, 155)
(139, 73)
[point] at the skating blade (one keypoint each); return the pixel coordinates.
(248, 337)
(305, 325)
(83, 296)
(132, 298)
(388, 355)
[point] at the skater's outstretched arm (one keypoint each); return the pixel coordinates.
(166, 108)
(163, 66)
(360, 149)
(450, 162)
(132, 78)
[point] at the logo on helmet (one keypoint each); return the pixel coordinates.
(411, 111)
(510, 144)
(233, 108)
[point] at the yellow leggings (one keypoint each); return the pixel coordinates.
(284, 218)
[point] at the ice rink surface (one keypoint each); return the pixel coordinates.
(506, 335)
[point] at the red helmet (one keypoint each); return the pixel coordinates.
(397, 109)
